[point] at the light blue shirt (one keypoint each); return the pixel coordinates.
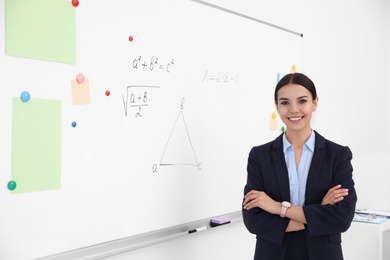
(298, 177)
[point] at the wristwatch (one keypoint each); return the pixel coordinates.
(285, 206)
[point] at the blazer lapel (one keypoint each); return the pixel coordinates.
(281, 169)
(315, 167)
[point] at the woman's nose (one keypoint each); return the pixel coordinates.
(294, 108)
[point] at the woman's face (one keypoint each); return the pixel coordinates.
(295, 106)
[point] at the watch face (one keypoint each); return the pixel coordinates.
(286, 204)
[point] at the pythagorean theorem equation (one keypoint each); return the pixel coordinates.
(153, 64)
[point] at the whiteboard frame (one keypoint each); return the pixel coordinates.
(247, 17)
(127, 244)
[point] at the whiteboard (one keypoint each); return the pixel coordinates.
(189, 96)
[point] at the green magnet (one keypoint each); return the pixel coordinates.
(283, 129)
(11, 185)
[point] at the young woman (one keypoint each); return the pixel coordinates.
(300, 194)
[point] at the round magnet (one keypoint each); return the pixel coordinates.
(293, 69)
(283, 129)
(131, 38)
(25, 96)
(274, 115)
(107, 93)
(280, 76)
(74, 124)
(75, 3)
(80, 78)
(11, 185)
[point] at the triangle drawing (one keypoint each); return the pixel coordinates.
(179, 149)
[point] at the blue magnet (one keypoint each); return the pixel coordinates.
(25, 96)
(280, 76)
(74, 124)
(11, 185)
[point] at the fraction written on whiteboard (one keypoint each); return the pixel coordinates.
(137, 97)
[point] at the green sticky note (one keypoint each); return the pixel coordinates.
(36, 145)
(41, 29)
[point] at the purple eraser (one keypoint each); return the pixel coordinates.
(220, 221)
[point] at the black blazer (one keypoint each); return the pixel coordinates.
(330, 166)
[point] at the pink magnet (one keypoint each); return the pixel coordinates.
(80, 78)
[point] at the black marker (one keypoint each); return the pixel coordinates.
(197, 230)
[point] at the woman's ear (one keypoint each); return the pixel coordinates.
(315, 103)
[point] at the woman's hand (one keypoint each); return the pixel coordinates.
(294, 225)
(260, 199)
(334, 195)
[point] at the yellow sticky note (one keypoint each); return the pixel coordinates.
(80, 92)
(273, 126)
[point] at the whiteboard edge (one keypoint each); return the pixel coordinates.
(123, 245)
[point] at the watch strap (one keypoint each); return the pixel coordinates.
(283, 211)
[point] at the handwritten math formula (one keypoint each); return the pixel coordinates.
(153, 64)
(221, 78)
(137, 99)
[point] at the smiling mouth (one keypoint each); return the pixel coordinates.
(295, 118)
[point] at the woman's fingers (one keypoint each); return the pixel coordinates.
(251, 198)
(334, 195)
(334, 188)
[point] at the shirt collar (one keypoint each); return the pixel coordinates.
(309, 143)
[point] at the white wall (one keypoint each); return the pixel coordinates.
(347, 54)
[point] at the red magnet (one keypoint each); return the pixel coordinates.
(107, 93)
(131, 38)
(75, 3)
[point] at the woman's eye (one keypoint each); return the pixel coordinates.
(284, 103)
(302, 101)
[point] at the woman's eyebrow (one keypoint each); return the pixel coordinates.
(283, 99)
(303, 97)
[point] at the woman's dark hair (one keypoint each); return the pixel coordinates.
(299, 79)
